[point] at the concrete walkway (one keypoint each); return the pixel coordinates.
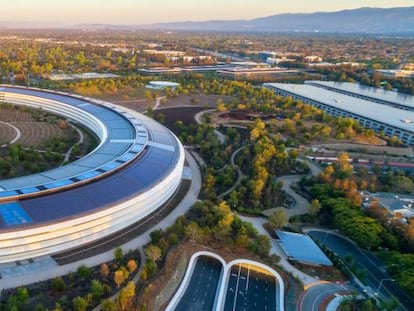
(258, 223)
(139, 241)
(80, 141)
(158, 103)
(18, 133)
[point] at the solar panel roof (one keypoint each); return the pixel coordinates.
(120, 128)
(302, 248)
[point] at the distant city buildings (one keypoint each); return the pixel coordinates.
(81, 76)
(368, 107)
(396, 73)
(257, 72)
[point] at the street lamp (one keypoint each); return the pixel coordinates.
(380, 284)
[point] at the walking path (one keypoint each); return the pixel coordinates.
(80, 141)
(158, 103)
(220, 136)
(239, 174)
(139, 241)
(18, 133)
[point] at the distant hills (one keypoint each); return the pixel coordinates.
(363, 20)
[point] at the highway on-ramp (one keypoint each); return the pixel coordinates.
(316, 296)
(377, 279)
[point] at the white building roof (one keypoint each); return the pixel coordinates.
(395, 117)
(373, 92)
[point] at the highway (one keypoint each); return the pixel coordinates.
(250, 290)
(201, 292)
(315, 296)
(375, 276)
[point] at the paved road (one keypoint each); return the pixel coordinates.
(342, 246)
(314, 297)
(250, 290)
(201, 291)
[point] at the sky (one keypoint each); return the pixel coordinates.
(136, 12)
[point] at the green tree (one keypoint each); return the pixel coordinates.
(119, 254)
(79, 304)
(108, 305)
(153, 252)
(278, 218)
(84, 272)
(58, 285)
(96, 289)
(314, 207)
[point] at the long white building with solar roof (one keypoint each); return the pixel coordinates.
(135, 169)
(365, 109)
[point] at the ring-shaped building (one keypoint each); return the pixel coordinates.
(135, 169)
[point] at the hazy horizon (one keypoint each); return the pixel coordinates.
(132, 12)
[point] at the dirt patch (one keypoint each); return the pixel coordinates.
(322, 272)
(140, 105)
(184, 114)
(195, 100)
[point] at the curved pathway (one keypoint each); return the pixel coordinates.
(18, 133)
(239, 174)
(80, 141)
(158, 102)
(198, 116)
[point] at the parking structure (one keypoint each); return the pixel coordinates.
(250, 289)
(203, 286)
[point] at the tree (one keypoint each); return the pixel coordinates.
(153, 252)
(105, 270)
(83, 272)
(119, 277)
(126, 295)
(194, 232)
(119, 254)
(278, 218)
(96, 289)
(314, 207)
(58, 285)
(343, 168)
(261, 245)
(108, 305)
(79, 304)
(132, 265)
